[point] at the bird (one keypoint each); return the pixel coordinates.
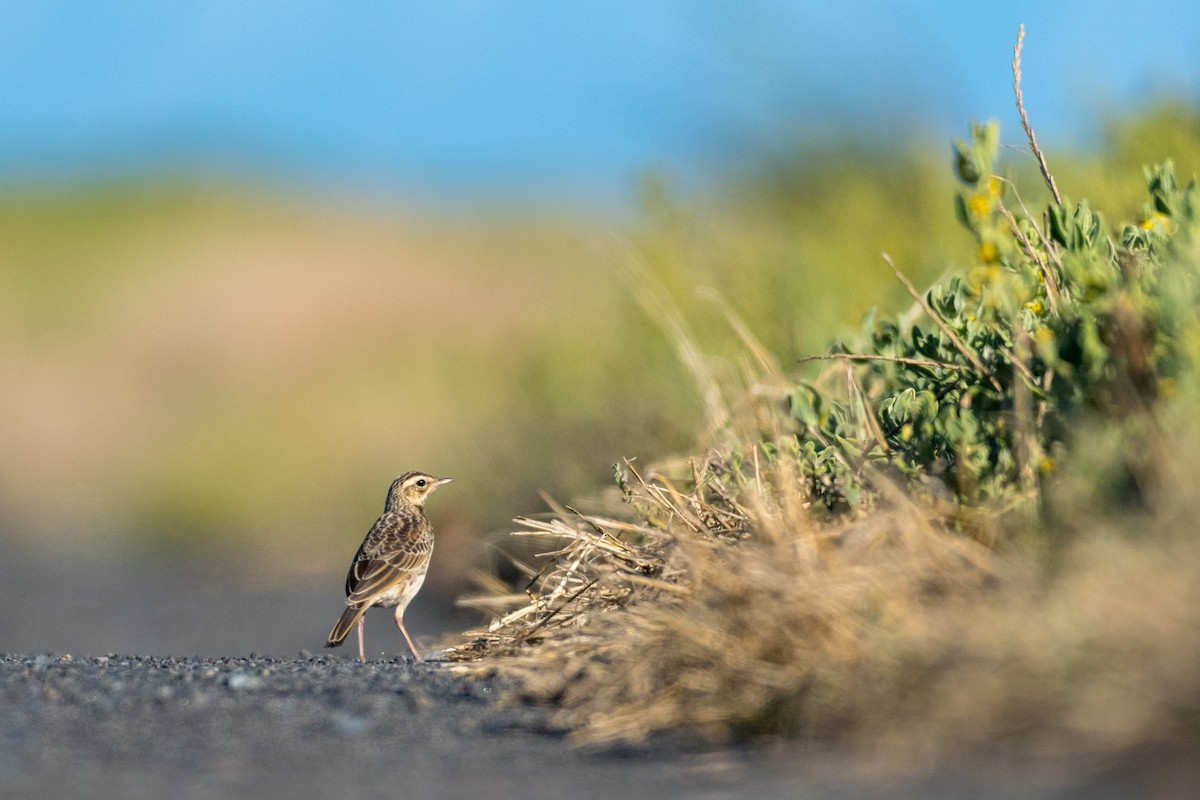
(390, 564)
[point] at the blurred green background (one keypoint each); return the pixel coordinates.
(238, 376)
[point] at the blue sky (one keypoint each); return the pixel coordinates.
(458, 99)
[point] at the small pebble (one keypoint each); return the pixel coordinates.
(349, 724)
(244, 681)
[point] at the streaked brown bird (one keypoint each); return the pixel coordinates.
(390, 565)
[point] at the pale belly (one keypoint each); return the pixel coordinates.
(402, 593)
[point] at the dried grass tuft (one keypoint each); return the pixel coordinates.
(729, 613)
(714, 600)
(726, 609)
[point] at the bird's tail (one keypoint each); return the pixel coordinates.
(344, 625)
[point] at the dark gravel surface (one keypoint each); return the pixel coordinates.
(130, 727)
(323, 725)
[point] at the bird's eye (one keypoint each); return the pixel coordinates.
(421, 482)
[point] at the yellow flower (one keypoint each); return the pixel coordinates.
(979, 204)
(1156, 221)
(1046, 465)
(989, 253)
(994, 187)
(1036, 306)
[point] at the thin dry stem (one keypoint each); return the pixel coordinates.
(762, 356)
(1025, 436)
(1050, 246)
(1048, 279)
(933, 315)
(1033, 145)
(912, 362)
(658, 305)
(869, 420)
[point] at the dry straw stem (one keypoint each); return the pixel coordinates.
(1052, 293)
(766, 362)
(1025, 441)
(657, 303)
(869, 420)
(596, 564)
(1050, 246)
(1033, 145)
(950, 334)
(912, 362)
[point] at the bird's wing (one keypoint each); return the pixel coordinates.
(386, 529)
(373, 578)
(378, 576)
(393, 547)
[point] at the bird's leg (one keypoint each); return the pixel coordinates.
(362, 658)
(407, 638)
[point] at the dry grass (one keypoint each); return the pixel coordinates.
(715, 601)
(729, 612)
(726, 608)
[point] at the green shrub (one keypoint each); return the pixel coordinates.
(977, 386)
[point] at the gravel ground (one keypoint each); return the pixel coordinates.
(130, 727)
(300, 725)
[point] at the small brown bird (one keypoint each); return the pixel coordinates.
(390, 565)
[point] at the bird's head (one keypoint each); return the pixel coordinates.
(412, 488)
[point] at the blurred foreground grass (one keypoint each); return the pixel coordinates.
(207, 368)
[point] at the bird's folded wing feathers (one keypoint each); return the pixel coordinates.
(379, 575)
(375, 577)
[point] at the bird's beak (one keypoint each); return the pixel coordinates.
(443, 481)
